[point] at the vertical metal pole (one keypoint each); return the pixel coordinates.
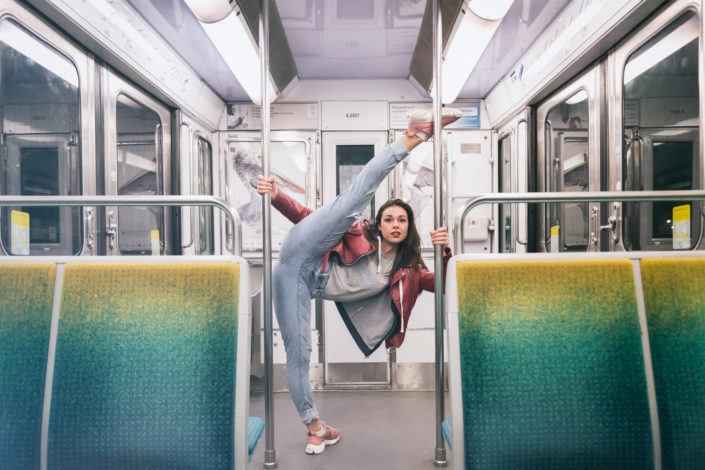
(440, 454)
(270, 456)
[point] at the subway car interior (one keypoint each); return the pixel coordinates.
(137, 329)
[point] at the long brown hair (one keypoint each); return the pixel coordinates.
(409, 249)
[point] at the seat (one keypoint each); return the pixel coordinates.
(26, 297)
(546, 365)
(152, 366)
(674, 297)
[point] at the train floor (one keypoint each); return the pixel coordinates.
(379, 430)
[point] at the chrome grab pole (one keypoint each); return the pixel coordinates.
(573, 196)
(270, 455)
(440, 453)
(103, 201)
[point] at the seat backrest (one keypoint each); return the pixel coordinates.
(26, 297)
(674, 297)
(551, 365)
(145, 368)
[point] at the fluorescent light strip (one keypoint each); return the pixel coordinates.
(469, 42)
(235, 45)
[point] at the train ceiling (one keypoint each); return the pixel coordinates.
(343, 39)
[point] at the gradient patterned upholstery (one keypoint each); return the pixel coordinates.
(26, 297)
(674, 294)
(552, 367)
(145, 367)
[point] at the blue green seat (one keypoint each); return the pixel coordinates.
(674, 296)
(551, 366)
(26, 297)
(145, 369)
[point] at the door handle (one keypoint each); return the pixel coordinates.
(89, 227)
(611, 224)
(111, 230)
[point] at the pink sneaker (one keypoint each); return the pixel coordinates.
(421, 120)
(316, 444)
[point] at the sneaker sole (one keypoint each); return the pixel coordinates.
(318, 449)
(418, 116)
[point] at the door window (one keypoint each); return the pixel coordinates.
(138, 173)
(205, 187)
(39, 98)
(661, 128)
(349, 161)
(568, 170)
(505, 186)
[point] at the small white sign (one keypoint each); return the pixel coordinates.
(354, 116)
(397, 113)
(283, 116)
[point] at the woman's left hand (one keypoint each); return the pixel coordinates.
(440, 237)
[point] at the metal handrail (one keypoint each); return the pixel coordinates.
(104, 201)
(598, 196)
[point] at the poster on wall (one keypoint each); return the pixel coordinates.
(288, 166)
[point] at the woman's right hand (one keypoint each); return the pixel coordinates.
(267, 185)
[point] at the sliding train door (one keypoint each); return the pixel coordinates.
(512, 159)
(137, 134)
(197, 177)
(46, 136)
(344, 154)
(656, 82)
(568, 159)
(293, 162)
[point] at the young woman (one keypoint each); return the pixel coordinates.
(373, 271)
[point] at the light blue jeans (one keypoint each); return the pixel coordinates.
(297, 277)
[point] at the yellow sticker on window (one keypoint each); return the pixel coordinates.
(681, 227)
(19, 233)
(555, 231)
(154, 236)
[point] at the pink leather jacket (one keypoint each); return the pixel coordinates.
(406, 284)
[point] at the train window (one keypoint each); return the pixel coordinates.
(569, 169)
(660, 119)
(205, 186)
(139, 162)
(39, 98)
(673, 170)
(349, 160)
(505, 186)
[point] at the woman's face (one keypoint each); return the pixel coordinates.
(394, 225)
